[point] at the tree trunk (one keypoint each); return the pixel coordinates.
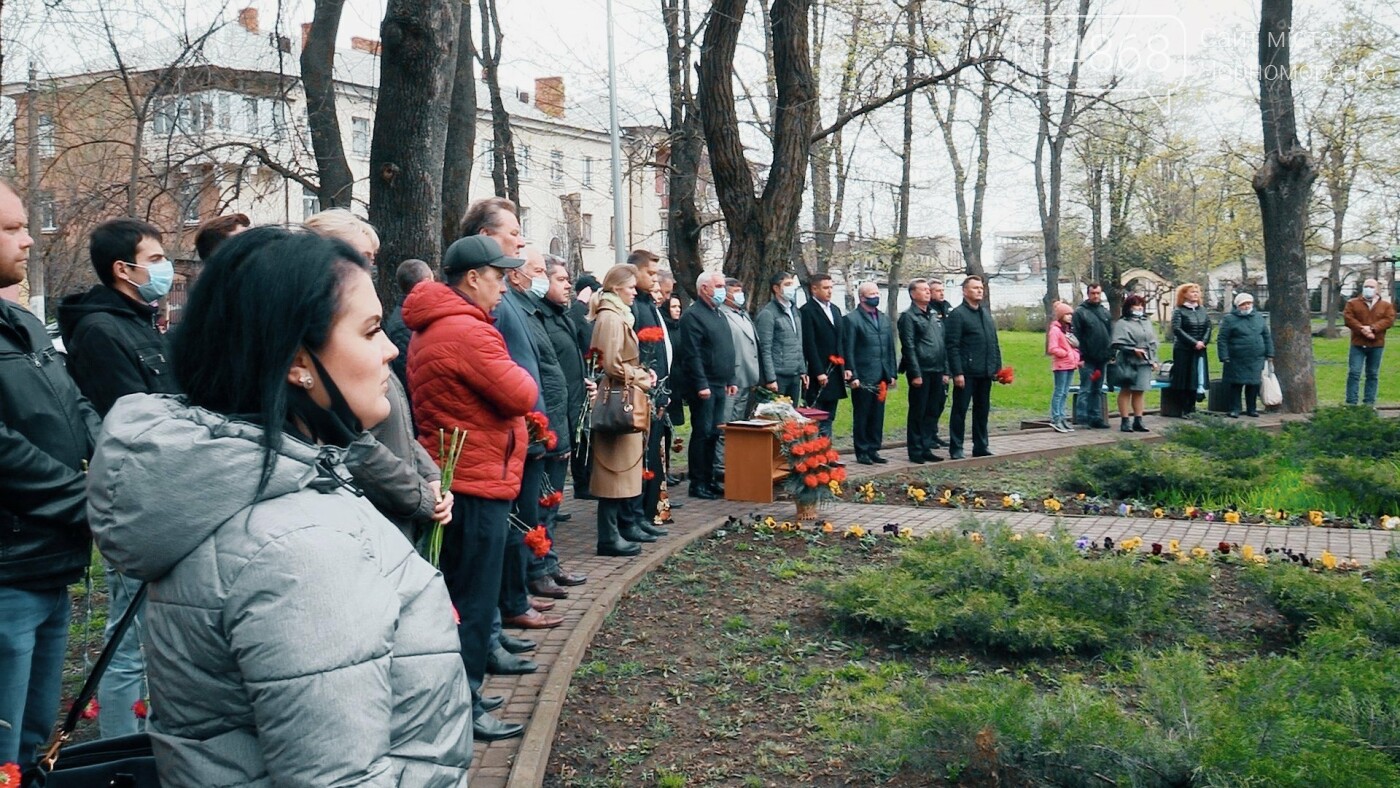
(686, 149)
(318, 79)
(761, 228)
(417, 67)
(1283, 184)
(828, 157)
(906, 157)
(460, 151)
(1339, 196)
(505, 175)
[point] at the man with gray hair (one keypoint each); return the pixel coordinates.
(704, 376)
(746, 366)
(1368, 316)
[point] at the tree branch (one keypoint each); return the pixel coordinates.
(916, 85)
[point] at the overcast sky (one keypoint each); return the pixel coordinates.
(1200, 44)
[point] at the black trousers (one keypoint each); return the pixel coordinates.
(554, 470)
(869, 420)
(705, 417)
(473, 549)
(976, 392)
(1251, 397)
(939, 396)
(658, 441)
(922, 424)
(581, 466)
(514, 595)
(790, 386)
(828, 405)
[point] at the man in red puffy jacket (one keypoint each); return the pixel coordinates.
(462, 377)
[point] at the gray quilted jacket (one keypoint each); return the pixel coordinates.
(779, 342)
(292, 640)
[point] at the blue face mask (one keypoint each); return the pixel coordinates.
(539, 285)
(739, 298)
(162, 278)
(872, 301)
(717, 297)
(790, 293)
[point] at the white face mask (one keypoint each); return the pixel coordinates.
(1246, 309)
(1137, 313)
(790, 293)
(1368, 293)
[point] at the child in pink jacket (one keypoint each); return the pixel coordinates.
(1063, 349)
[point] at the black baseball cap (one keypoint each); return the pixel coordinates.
(476, 251)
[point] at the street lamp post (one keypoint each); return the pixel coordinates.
(615, 132)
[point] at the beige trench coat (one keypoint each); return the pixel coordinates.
(617, 459)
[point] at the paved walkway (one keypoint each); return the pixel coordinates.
(538, 699)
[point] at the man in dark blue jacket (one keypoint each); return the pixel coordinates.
(407, 275)
(870, 366)
(974, 358)
(705, 379)
(115, 348)
(47, 432)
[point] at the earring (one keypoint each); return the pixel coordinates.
(307, 382)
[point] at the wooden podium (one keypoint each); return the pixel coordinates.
(753, 462)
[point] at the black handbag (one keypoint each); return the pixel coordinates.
(619, 410)
(1120, 374)
(122, 762)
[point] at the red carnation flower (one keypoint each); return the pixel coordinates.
(139, 709)
(824, 477)
(883, 392)
(538, 541)
(651, 334)
(798, 449)
(91, 710)
(809, 480)
(1006, 376)
(648, 475)
(9, 774)
(551, 440)
(810, 428)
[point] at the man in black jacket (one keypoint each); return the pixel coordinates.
(974, 358)
(870, 366)
(47, 432)
(654, 345)
(1092, 326)
(706, 379)
(940, 307)
(823, 332)
(115, 348)
(923, 359)
(563, 335)
(409, 273)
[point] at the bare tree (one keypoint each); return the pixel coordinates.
(417, 69)
(1284, 186)
(336, 188)
(685, 147)
(911, 11)
(504, 173)
(460, 149)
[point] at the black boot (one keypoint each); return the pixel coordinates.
(1137, 425)
(652, 530)
(634, 533)
(609, 541)
(1126, 426)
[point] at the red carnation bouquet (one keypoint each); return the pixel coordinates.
(652, 334)
(1005, 376)
(815, 463)
(883, 392)
(537, 424)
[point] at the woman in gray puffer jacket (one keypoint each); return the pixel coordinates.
(293, 635)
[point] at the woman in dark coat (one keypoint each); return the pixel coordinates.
(1244, 345)
(1191, 331)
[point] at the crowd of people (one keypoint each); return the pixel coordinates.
(277, 467)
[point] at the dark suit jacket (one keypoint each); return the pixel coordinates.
(653, 354)
(971, 337)
(870, 348)
(822, 339)
(706, 357)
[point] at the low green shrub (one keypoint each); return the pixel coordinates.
(1020, 595)
(1373, 485)
(1020, 318)
(1344, 431)
(1227, 441)
(1130, 469)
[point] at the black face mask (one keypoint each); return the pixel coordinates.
(336, 425)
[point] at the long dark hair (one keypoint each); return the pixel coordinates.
(263, 295)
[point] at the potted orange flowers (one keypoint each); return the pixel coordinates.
(814, 465)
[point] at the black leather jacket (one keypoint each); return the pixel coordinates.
(921, 342)
(47, 432)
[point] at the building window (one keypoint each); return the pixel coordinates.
(250, 116)
(225, 103)
(189, 199)
(48, 214)
(488, 157)
(525, 222)
(359, 137)
(310, 203)
(588, 171)
(45, 135)
(522, 160)
(588, 229)
(556, 166)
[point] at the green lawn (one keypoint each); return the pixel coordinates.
(1029, 396)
